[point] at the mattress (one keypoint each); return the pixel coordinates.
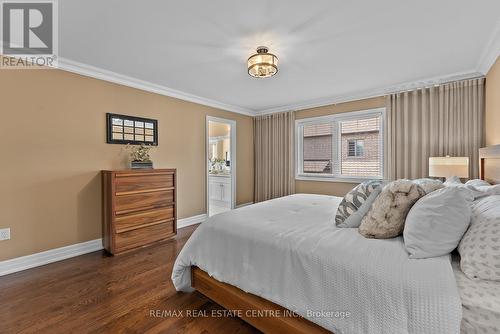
(480, 303)
(290, 252)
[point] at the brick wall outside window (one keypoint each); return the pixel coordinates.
(369, 163)
(318, 148)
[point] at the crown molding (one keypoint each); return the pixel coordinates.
(491, 52)
(487, 59)
(102, 74)
(366, 94)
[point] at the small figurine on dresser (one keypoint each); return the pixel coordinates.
(139, 156)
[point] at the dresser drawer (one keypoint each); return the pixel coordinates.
(143, 236)
(139, 207)
(143, 201)
(133, 183)
(139, 219)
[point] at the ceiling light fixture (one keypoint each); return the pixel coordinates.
(262, 64)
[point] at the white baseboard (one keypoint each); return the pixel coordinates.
(52, 255)
(62, 253)
(243, 204)
(191, 220)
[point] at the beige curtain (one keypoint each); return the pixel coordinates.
(436, 121)
(274, 156)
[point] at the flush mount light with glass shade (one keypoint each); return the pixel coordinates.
(262, 64)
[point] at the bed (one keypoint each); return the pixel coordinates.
(480, 303)
(287, 255)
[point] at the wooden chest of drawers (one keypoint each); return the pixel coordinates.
(139, 208)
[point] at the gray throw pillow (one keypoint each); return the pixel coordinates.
(356, 203)
(436, 223)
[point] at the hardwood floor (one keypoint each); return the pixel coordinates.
(95, 293)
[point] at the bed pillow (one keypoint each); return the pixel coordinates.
(477, 183)
(356, 203)
(484, 190)
(429, 185)
(478, 188)
(387, 215)
(453, 181)
(436, 223)
(480, 247)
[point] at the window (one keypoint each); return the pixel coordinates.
(317, 151)
(343, 146)
(355, 148)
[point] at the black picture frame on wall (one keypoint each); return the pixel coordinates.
(125, 129)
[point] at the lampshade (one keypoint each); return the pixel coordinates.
(262, 64)
(449, 166)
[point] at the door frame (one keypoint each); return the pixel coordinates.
(232, 136)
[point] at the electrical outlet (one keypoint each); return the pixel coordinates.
(5, 234)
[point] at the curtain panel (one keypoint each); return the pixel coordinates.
(274, 156)
(435, 121)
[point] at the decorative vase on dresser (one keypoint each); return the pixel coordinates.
(139, 208)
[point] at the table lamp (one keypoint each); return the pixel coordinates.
(448, 167)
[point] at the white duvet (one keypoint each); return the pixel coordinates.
(289, 251)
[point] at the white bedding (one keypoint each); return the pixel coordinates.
(289, 251)
(481, 303)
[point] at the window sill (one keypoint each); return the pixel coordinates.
(335, 178)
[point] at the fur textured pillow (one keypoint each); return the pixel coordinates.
(387, 215)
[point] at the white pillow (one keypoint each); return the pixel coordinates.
(477, 183)
(482, 191)
(480, 247)
(478, 188)
(452, 181)
(437, 222)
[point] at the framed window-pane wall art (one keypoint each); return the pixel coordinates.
(123, 129)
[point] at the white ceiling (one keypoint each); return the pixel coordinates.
(328, 50)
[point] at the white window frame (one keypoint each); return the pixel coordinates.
(299, 145)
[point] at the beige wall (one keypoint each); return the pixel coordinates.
(324, 187)
(53, 136)
(493, 105)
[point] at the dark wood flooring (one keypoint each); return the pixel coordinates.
(96, 293)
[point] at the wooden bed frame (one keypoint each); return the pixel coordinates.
(489, 164)
(233, 298)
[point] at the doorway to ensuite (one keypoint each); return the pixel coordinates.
(221, 164)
